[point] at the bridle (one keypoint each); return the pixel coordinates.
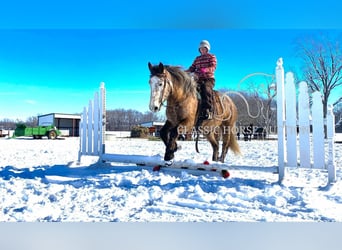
(168, 82)
(162, 98)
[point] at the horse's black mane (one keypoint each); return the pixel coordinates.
(189, 85)
(179, 75)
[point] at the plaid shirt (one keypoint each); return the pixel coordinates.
(204, 66)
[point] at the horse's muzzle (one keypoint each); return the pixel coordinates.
(154, 108)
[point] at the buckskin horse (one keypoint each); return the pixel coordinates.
(173, 85)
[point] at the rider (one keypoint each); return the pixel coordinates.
(204, 67)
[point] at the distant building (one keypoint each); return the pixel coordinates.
(68, 124)
(154, 127)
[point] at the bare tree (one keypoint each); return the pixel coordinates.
(256, 104)
(265, 92)
(322, 66)
(32, 121)
(7, 123)
(122, 119)
(249, 106)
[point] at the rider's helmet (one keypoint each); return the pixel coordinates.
(205, 44)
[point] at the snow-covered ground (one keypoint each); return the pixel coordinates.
(39, 181)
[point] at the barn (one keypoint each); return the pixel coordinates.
(154, 127)
(68, 124)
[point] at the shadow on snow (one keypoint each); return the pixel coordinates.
(100, 176)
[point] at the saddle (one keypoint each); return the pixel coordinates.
(206, 114)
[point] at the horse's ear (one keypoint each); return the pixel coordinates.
(161, 67)
(150, 66)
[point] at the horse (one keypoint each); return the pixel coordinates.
(178, 88)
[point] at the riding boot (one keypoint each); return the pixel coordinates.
(206, 99)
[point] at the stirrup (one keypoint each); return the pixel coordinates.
(210, 115)
(206, 115)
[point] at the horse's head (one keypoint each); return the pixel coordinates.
(160, 86)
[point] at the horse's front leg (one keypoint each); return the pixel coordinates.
(165, 133)
(171, 147)
(169, 134)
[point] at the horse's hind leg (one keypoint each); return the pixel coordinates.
(214, 144)
(225, 144)
(229, 142)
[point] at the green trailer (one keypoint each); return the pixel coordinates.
(37, 132)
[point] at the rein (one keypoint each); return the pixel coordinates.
(169, 82)
(166, 82)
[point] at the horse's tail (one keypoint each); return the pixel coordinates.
(196, 144)
(233, 144)
(198, 124)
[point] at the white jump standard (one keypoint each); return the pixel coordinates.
(311, 149)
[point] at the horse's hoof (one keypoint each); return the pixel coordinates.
(156, 168)
(225, 173)
(168, 163)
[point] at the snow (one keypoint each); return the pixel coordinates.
(40, 181)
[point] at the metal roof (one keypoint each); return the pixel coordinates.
(61, 115)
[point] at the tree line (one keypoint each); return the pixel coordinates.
(10, 124)
(125, 120)
(253, 108)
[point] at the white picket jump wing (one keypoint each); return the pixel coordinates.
(83, 131)
(291, 118)
(102, 117)
(304, 125)
(281, 117)
(96, 124)
(90, 128)
(317, 131)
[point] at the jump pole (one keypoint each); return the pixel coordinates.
(143, 160)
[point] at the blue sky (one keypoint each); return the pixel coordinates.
(57, 70)
(54, 54)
